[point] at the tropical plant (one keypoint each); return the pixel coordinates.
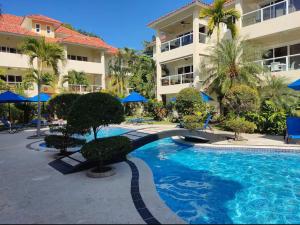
(217, 15)
(275, 89)
(143, 74)
(241, 99)
(47, 55)
(240, 125)
(93, 111)
(119, 73)
(76, 78)
(3, 84)
(189, 102)
(193, 122)
(231, 62)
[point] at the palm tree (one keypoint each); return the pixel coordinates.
(47, 55)
(119, 68)
(217, 15)
(231, 62)
(76, 78)
(275, 88)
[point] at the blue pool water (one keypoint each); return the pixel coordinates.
(107, 132)
(218, 186)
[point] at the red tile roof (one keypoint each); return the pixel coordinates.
(44, 18)
(184, 7)
(12, 24)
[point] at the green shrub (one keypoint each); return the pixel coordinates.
(189, 101)
(240, 125)
(63, 142)
(241, 99)
(107, 150)
(270, 119)
(60, 105)
(94, 110)
(193, 122)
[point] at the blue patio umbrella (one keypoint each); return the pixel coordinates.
(10, 97)
(295, 85)
(134, 97)
(205, 97)
(43, 98)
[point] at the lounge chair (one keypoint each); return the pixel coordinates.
(13, 128)
(293, 129)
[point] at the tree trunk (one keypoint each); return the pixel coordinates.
(218, 33)
(95, 132)
(38, 130)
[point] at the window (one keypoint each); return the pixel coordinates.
(37, 28)
(13, 79)
(280, 52)
(78, 58)
(48, 30)
(295, 49)
(185, 69)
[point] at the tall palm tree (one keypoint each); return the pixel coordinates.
(77, 78)
(231, 62)
(47, 55)
(217, 15)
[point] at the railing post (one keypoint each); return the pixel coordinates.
(80, 89)
(180, 41)
(169, 80)
(287, 63)
(287, 6)
(261, 15)
(169, 46)
(181, 78)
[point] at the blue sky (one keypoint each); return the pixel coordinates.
(119, 22)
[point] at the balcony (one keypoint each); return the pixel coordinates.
(270, 12)
(83, 89)
(177, 43)
(87, 67)
(281, 64)
(14, 60)
(185, 78)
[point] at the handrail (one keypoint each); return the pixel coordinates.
(177, 38)
(269, 6)
(179, 79)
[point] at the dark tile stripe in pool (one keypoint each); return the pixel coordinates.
(137, 198)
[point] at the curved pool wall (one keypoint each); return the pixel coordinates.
(225, 186)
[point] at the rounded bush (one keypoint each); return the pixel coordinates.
(60, 105)
(93, 111)
(188, 101)
(193, 122)
(62, 142)
(240, 125)
(107, 150)
(242, 99)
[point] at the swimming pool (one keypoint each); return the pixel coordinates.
(219, 186)
(107, 132)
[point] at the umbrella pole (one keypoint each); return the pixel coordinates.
(9, 112)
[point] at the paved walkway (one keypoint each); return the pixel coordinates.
(33, 192)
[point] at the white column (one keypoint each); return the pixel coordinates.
(63, 70)
(196, 53)
(158, 67)
(103, 69)
(238, 6)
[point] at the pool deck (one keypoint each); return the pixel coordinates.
(33, 192)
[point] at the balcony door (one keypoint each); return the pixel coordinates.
(274, 9)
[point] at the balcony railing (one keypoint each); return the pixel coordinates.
(84, 88)
(185, 78)
(176, 43)
(270, 12)
(279, 64)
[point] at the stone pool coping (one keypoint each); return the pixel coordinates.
(156, 206)
(265, 148)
